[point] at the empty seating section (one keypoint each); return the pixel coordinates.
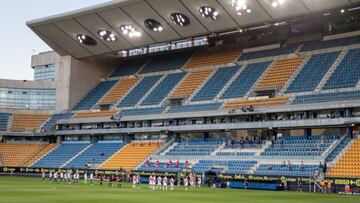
(314, 45)
(311, 74)
(131, 155)
(96, 154)
(215, 84)
(280, 73)
(134, 96)
(348, 166)
(293, 170)
(347, 73)
(327, 97)
(332, 155)
(46, 149)
(194, 107)
(4, 119)
(225, 166)
(192, 81)
(60, 155)
(213, 57)
(27, 122)
(300, 146)
(245, 80)
(13, 154)
(196, 147)
(269, 53)
(162, 167)
(261, 102)
(54, 118)
(92, 114)
(129, 67)
(171, 61)
(163, 89)
(94, 95)
(119, 90)
(235, 154)
(141, 111)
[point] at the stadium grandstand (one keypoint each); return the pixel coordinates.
(245, 94)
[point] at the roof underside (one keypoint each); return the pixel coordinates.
(60, 31)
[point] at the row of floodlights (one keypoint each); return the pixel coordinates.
(177, 18)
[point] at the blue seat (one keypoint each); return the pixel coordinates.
(96, 154)
(269, 53)
(139, 91)
(245, 80)
(215, 84)
(347, 74)
(95, 95)
(60, 155)
(311, 74)
(163, 89)
(54, 118)
(129, 67)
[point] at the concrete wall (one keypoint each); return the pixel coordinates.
(27, 84)
(75, 78)
(45, 58)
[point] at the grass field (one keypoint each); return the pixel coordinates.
(26, 190)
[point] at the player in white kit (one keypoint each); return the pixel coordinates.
(50, 176)
(165, 183)
(43, 176)
(172, 183)
(134, 181)
(153, 182)
(199, 181)
(192, 181)
(61, 177)
(186, 183)
(159, 183)
(91, 178)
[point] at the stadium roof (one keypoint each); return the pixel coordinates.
(120, 24)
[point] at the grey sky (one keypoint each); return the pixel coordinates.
(17, 41)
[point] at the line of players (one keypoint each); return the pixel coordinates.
(155, 183)
(67, 177)
(161, 183)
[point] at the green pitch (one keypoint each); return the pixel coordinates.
(26, 190)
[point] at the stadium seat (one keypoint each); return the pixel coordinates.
(163, 89)
(347, 73)
(311, 74)
(215, 84)
(14, 154)
(131, 155)
(134, 96)
(119, 90)
(192, 81)
(96, 154)
(280, 73)
(60, 155)
(245, 80)
(206, 57)
(348, 166)
(27, 122)
(95, 95)
(166, 62)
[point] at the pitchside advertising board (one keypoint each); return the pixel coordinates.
(249, 178)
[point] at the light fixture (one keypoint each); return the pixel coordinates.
(276, 3)
(86, 39)
(130, 31)
(208, 12)
(240, 6)
(153, 25)
(180, 19)
(342, 10)
(107, 35)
